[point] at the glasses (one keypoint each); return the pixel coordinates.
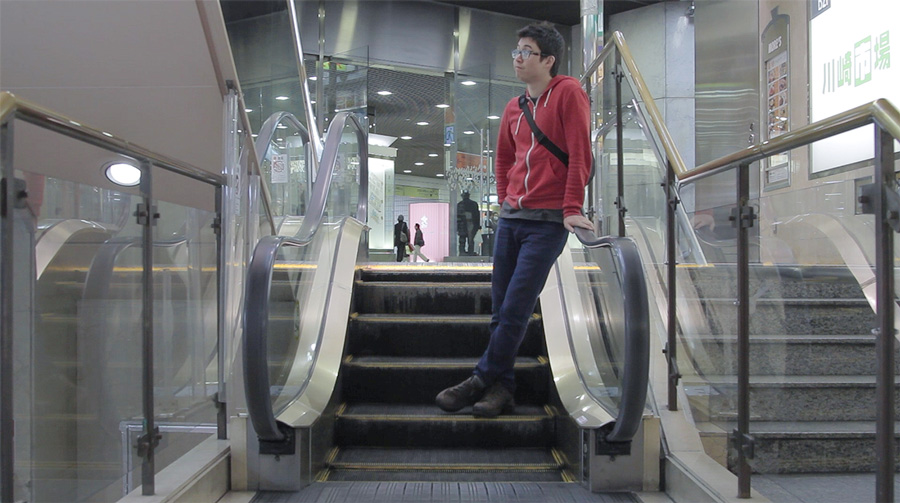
(525, 53)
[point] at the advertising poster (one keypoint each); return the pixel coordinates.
(851, 43)
(776, 82)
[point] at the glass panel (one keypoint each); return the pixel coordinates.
(185, 330)
(285, 169)
(296, 310)
(602, 307)
(343, 193)
(86, 361)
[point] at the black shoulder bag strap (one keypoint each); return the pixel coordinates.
(541, 137)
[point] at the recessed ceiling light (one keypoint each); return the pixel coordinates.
(281, 98)
(407, 171)
(447, 144)
(313, 78)
(124, 174)
(468, 132)
(422, 123)
(281, 126)
(432, 155)
(107, 134)
(254, 135)
(385, 93)
(468, 82)
(439, 174)
(443, 105)
(312, 102)
(248, 110)
(493, 117)
(419, 163)
(406, 137)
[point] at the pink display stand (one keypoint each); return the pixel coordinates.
(433, 218)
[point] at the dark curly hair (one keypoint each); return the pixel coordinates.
(549, 41)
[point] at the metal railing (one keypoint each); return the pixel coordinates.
(12, 108)
(879, 198)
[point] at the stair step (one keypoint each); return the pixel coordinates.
(839, 354)
(420, 379)
(432, 335)
(434, 274)
(789, 398)
(794, 316)
(813, 446)
(414, 425)
(438, 464)
(396, 297)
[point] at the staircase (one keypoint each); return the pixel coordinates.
(414, 331)
(812, 368)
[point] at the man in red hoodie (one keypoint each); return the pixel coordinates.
(541, 200)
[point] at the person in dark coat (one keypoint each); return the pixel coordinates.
(401, 238)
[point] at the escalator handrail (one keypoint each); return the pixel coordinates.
(261, 266)
(636, 367)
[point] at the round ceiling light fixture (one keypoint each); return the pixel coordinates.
(123, 174)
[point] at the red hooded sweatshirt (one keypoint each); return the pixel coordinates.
(528, 175)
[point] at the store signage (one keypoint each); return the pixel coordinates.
(850, 65)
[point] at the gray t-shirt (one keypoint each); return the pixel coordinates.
(541, 215)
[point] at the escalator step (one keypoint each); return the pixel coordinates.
(422, 298)
(432, 335)
(410, 425)
(473, 274)
(438, 464)
(419, 380)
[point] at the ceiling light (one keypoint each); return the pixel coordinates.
(281, 98)
(124, 174)
(254, 135)
(443, 105)
(248, 110)
(107, 134)
(439, 174)
(313, 78)
(406, 137)
(281, 126)
(468, 132)
(407, 171)
(385, 93)
(468, 82)
(493, 117)
(421, 123)
(447, 144)
(432, 155)
(419, 163)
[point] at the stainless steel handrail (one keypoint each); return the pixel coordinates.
(12, 106)
(880, 111)
(637, 79)
(259, 277)
(636, 369)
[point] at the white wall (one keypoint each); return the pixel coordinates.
(139, 69)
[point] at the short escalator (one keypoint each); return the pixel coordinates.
(413, 332)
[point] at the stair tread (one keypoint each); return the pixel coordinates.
(805, 428)
(468, 478)
(787, 380)
(430, 362)
(429, 412)
(775, 338)
(450, 458)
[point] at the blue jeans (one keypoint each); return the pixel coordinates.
(524, 252)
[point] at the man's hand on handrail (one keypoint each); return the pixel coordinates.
(572, 221)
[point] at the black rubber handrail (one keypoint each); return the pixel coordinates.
(262, 263)
(636, 369)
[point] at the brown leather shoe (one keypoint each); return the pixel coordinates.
(462, 395)
(497, 399)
